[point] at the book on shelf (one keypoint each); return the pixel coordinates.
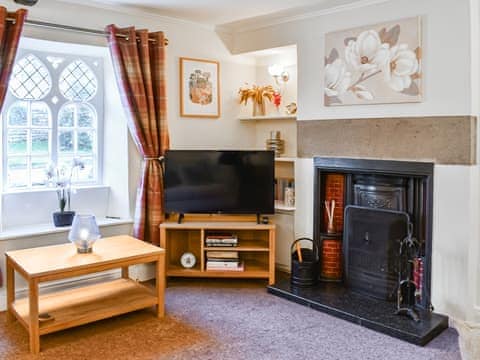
(221, 242)
(222, 264)
(220, 245)
(222, 260)
(220, 236)
(225, 266)
(222, 254)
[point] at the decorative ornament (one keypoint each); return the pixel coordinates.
(188, 260)
(330, 207)
(291, 108)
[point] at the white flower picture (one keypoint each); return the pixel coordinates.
(374, 64)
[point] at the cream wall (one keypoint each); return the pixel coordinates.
(450, 57)
(446, 50)
(186, 39)
(448, 84)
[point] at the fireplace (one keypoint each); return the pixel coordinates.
(378, 204)
(377, 187)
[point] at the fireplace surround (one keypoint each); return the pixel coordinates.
(381, 184)
(374, 189)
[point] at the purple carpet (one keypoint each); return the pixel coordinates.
(225, 320)
(248, 323)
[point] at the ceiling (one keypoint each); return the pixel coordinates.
(212, 12)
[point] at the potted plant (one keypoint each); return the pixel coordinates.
(61, 179)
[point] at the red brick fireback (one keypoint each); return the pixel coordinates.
(332, 259)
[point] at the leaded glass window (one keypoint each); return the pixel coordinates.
(30, 79)
(53, 112)
(78, 82)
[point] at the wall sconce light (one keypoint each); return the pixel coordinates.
(278, 73)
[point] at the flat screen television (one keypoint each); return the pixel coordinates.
(214, 181)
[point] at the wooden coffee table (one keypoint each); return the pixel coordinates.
(43, 314)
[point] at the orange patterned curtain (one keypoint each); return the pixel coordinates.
(10, 31)
(11, 25)
(140, 71)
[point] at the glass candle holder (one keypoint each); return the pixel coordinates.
(84, 233)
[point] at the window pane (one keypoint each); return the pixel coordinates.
(30, 79)
(78, 82)
(17, 142)
(86, 115)
(17, 114)
(17, 172)
(65, 141)
(64, 165)
(40, 141)
(87, 173)
(40, 114)
(66, 115)
(39, 165)
(85, 142)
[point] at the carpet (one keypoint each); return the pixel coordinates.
(223, 320)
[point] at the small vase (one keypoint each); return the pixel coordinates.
(258, 109)
(63, 218)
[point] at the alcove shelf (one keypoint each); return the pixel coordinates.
(285, 159)
(268, 117)
(280, 206)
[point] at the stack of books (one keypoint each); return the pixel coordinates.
(224, 261)
(221, 239)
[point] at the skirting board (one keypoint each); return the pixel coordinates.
(61, 285)
(283, 268)
(142, 272)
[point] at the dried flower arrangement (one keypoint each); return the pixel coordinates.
(258, 95)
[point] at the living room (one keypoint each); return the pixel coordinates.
(429, 129)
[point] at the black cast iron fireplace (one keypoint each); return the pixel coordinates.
(371, 250)
(381, 200)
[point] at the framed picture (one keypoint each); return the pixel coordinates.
(374, 64)
(199, 88)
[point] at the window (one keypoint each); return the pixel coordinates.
(53, 112)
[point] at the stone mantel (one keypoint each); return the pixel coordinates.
(439, 139)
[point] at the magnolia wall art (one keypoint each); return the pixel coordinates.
(199, 88)
(374, 64)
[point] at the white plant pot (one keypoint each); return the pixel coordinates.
(468, 339)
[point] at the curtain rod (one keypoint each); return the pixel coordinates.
(75, 29)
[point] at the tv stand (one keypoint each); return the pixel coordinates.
(256, 246)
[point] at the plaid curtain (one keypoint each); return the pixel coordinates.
(139, 66)
(10, 32)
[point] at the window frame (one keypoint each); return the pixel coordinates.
(96, 64)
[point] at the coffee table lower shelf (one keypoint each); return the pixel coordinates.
(87, 304)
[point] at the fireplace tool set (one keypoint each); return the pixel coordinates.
(409, 248)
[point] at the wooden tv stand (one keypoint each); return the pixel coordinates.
(256, 247)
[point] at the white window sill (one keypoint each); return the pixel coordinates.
(52, 189)
(49, 228)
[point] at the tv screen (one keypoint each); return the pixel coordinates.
(211, 181)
